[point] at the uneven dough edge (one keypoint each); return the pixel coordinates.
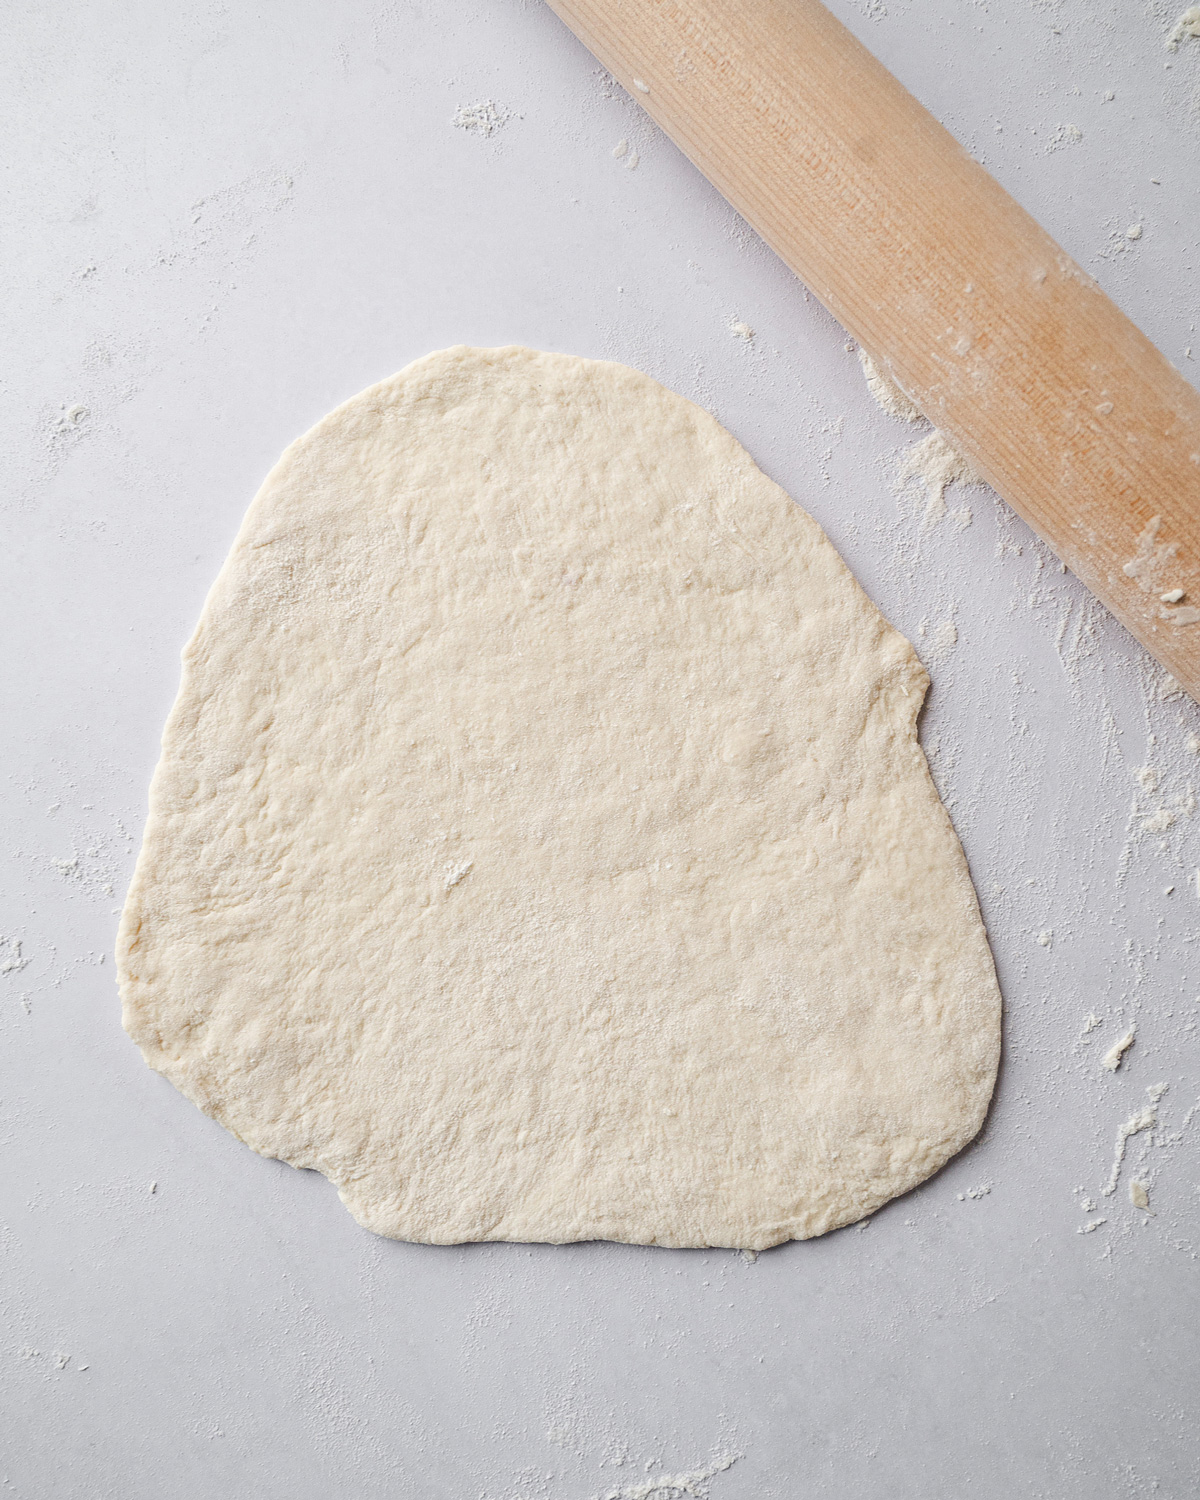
(140, 1015)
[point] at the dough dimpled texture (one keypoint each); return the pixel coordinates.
(541, 846)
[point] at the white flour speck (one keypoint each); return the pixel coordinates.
(1113, 1057)
(936, 464)
(11, 961)
(458, 873)
(1143, 1120)
(664, 1486)
(1187, 26)
(483, 119)
(886, 393)
(1063, 135)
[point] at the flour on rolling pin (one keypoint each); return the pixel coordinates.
(1150, 569)
(936, 463)
(1059, 401)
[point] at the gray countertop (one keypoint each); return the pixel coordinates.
(220, 221)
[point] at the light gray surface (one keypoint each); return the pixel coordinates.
(219, 222)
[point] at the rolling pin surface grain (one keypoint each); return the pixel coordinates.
(1000, 338)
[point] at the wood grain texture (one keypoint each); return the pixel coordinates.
(989, 326)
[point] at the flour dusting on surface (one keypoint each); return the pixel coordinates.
(1145, 1119)
(981, 1190)
(484, 118)
(458, 873)
(887, 394)
(1113, 1057)
(1063, 135)
(11, 961)
(1186, 27)
(666, 1486)
(936, 464)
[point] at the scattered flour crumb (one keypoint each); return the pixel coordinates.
(1063, 135)
(1088, 1206)
(980, 1191)
(1046, 938)
(620, 148)
(740, 330)
(641, 85)
(70, 422)
(631, 161)
(1090, 1226)
(1134, 232)
(1090, 1022)
(1147, 567)
(1113, 1057)
(749, 1256)
(458, 873)
(1172, 596)
(1188, 25)
(484, 118)
(664, 1486)
(1139, 1195)
(11, 961)
(887, 394)
(1143, 1120)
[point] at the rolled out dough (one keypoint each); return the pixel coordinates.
(541, 846)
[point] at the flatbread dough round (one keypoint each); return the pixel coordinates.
(541, 846)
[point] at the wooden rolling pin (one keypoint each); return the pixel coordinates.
(998, 336)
